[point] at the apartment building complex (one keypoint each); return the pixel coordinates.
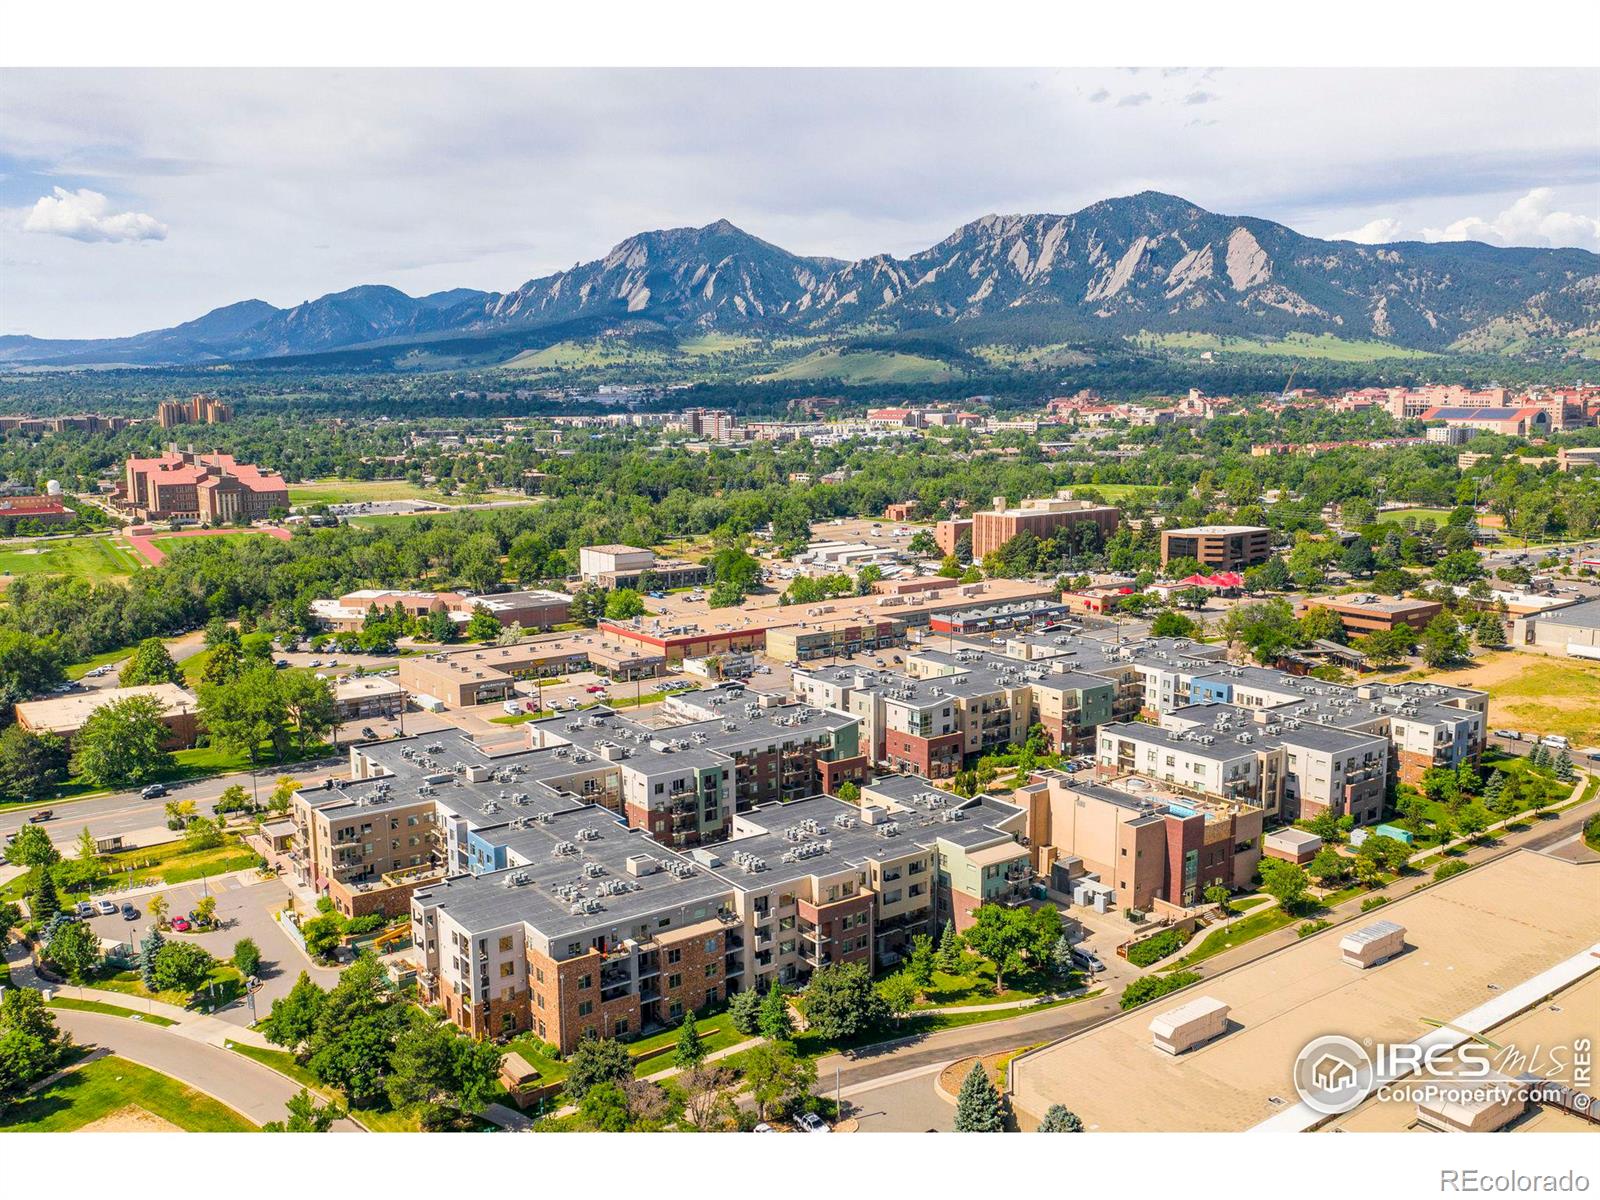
(1218, 547)
(1050, 517)
(211, 488)
(196, 410)
(1147, 842)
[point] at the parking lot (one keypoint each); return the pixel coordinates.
(243, 911)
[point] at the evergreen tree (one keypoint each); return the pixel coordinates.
(777, 1025)
(691, 1051)
(1563, 767)
(1537, 758)
(148, 948)
(1061, 956)
(978, 1105)
(949, 950)
(744, 1009)
(44, 901)
(1059, 1119)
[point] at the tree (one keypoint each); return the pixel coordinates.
(1443, 642)
(1286, 881)
(1061, 957)
(437, 1068)
(483, 625)
(322, 934)
(842, 1004)
(356, 1031)
(181, 967)
(1490, 630)
(1059, 1119)
(1173, 624)
(624, 604)
(122, 742)
(950, 950)
(437, 626)
(87, 849)
(234, 798)
(1000, 935)
(1267, 628)
(978, 1104)
(156, 906)
(1321, 623)
(180, 813)
(690, 1051)
(305, 1115)
(203, 833)
(10, 918)
(597, 1061)
(1218, 895)
(1563, 767)
(150, 664)
(31, 1047)
(1327, 867)
(848, 792)
(31, 764)
(744, 1010)
(310, 704)
(1471, 821)
(247, 957)
(776, 1023)
(899, 993)
(75, 948)
(604, 1109)
(706, 1103)
(32, 847)
(44, 901)
(282, 794)
(1385, 647)
(920, 963)
(776, 1075)
(149, 946)
(29, 664)
(293, 1018)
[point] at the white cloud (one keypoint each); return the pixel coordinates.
(86, 216)
(1099, 95)
(1529, 221)
(1199, 96)
(1375, 231)
(1134, 100)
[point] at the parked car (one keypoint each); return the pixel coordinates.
(761, 1127)
(1088, 960)
(594, 687)
(154, 791)
(130, 913)
(44, 814)
(811, 1123)
(83, 909)
(281, 664)
(1508, 734)
(367, 731)
(1555, 741)
(106, 908)
(179, 925)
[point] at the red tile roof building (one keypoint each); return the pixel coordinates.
(212, 488)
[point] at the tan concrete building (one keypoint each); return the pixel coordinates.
(65, 715)
(1051, 517)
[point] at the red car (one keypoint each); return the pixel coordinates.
(595, 687)
(179, 925)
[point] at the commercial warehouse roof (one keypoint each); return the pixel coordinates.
(66, 714)
(1484, 931)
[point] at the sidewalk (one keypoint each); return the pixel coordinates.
(198, 1027)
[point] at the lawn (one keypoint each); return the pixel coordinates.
(651, 1054)
(975, 985)
(107, 1086)
(172, 543)
(1241, 931)
(864, 367)
(1113, 492)
(79, 670)
(167, 863)
(91, 558)
(223, 986)
(354, 491)
(1396, 516)
(281, 1061)
(1534, 693)
(109, 1010)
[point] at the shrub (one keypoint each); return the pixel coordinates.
(1372, 902)
(365, 924)
(1150, 987)
(1154, 949)
(1307, 928)
(1451, 868)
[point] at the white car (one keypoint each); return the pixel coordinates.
(106, 908)
(811, 1123)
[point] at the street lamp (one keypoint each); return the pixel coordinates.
(251, 986)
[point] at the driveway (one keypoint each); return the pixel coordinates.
(244, 911)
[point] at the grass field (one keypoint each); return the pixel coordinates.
(106, 1087)
(354, 491)
(1296, 345)
(109, 1010)
(223, 986)
(1534, 693)
(175, 542)
(864, 366)
(1395, 516)
(91, 558)
(79, 670)
(1115, 491)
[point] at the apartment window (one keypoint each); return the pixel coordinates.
(711, 945)
(585, 1007)
(505, 944)
(538, 973)
(574, 948)
(674, 955)
(674, 981)
(620, 1027)
(585, 982)
(538, 999)
(711, 970)
(507, 969)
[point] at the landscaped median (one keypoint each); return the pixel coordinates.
(111, 1094)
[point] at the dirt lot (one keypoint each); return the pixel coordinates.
(131, 1119)
(1535, 693)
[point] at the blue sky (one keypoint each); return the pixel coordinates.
(132, 200)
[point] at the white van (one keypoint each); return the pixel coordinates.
(512, 707)
(1555, 741)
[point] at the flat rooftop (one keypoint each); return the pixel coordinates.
(1487, 929)
(66, 714)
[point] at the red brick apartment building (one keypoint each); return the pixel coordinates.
(1044, 518)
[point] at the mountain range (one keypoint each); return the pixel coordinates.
(1145, 263)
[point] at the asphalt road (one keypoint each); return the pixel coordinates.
(241, 1083)
(127, 812)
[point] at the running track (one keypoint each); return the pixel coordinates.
(144, 543)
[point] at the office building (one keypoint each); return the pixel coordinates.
(1218, 547)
